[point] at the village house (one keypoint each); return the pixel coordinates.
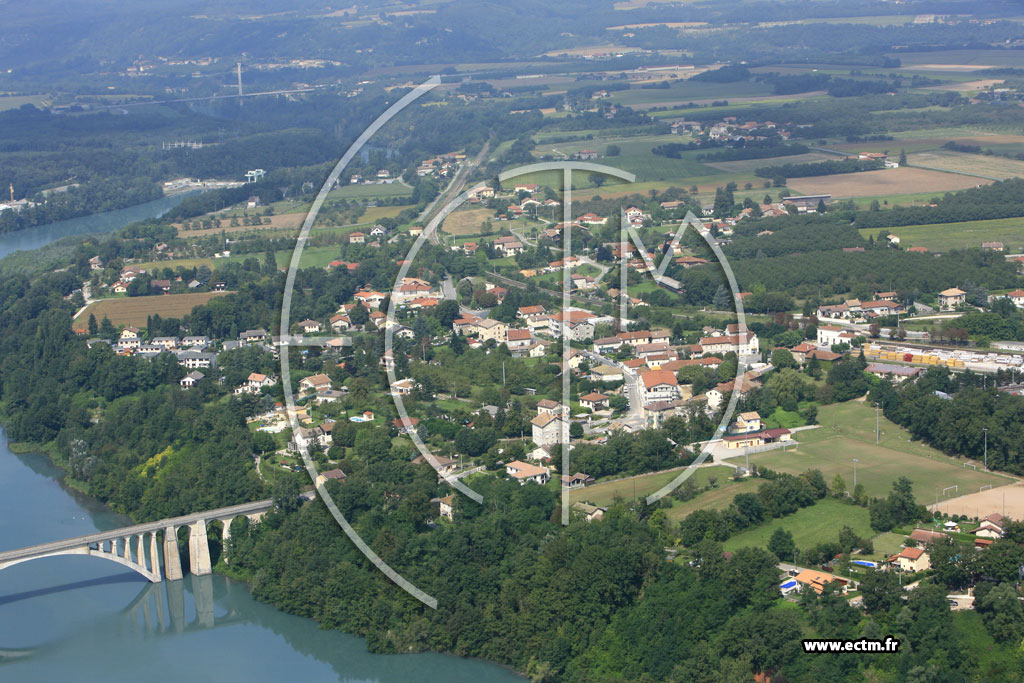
(606, 373)
(196, 359)
(405, 425)
(524, 472)
(517, 339)
(951, 298)
(443, 465)
(594, 401)
(255, 383)
(576, 481)
(191, 379)
(309, 326)
(747, 422)
(369, 298)
(357, 238)
(314, 383)
(659, 385)
(330, 475)
(548, 428)
(253, 336)
(446, 507)
(913, 560)
(589, 512)
(816, 580)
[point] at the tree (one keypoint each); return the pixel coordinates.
(782, 545)
(838, 486)
(1001, 611)
(107, 329)
(722, 300)
(263, 443)
(94, 327)
(576, 430)
(782, 358)
(881, 591)
(903, 157)
(374, 444)
(286, 491)
(613, 150)
(596, 179)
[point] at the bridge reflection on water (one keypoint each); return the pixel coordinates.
(196, 603)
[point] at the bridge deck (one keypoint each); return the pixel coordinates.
(67, 544)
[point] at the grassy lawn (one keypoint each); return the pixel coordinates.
(370, 191)
(809, 526)
(945, 236)
(604, 494)
(15, 101)
(847, 431)
(716, 499)
(886, 544)
(468, 222)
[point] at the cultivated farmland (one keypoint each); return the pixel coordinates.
(886, 181)
(466, 222)
(135, 310)
(972, 164)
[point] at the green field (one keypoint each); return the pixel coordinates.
(644, 485)
(969, 234)
(847, 431)
(716, 499)
(809, 526)
(312, 257)
(370, 191)
(689, 90)
(15, 101)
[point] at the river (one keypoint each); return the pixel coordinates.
(40, 236)
(77, 618)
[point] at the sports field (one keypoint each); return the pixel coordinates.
(135, 310)
(847, 431)
(809, 526)
(969, 234)
(1006, 500)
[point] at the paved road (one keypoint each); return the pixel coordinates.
(452, 191)
(635, 415)
(448, 288)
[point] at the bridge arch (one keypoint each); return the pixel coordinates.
(145, 562)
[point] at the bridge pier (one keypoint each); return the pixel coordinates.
(172, 560)
(225, 535)
(154, 554)
(198, 549)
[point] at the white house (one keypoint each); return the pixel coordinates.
(524, 472)
(547, 429)
(659, 385)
